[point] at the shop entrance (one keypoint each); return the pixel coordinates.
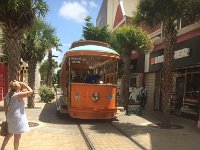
(186, 100)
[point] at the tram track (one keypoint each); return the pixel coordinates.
(85, 137)
(128, 136)
(91, 145)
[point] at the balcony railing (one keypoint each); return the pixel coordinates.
(182, 26)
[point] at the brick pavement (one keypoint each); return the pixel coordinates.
(160, 139)
(61, 134)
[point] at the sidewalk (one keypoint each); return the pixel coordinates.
(160, 139)
(55, 133)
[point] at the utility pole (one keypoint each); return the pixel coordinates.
(49, 71)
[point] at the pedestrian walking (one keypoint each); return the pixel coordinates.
(143, 96)
(15, 112)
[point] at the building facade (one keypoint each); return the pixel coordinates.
(147, 68)
(107, 14)
(3, 74)
(186, 80)
(3, 79)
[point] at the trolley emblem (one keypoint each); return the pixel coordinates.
(77, 96)
(95, 97)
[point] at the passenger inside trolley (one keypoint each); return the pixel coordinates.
(91, 77)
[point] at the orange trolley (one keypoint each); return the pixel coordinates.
(94, 98)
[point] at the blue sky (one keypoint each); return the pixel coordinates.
(67, 17)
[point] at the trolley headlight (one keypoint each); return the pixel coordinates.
(95, 97)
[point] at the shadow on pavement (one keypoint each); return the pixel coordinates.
(50, 115)
(155, 117)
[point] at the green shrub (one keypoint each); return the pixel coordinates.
(46, 94)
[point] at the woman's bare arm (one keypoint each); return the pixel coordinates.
(24, 94)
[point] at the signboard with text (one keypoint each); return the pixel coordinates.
(177, 55)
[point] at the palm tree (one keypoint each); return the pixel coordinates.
(167, 12)
(127, 39)
(34, 47)
(15, 17)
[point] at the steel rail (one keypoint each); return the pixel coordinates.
(128, 136)
(86, 138)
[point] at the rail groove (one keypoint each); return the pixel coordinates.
(86, 138)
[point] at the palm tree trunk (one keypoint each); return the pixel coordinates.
(167, 72)
(49, 71)
(31, 81)
(13, 46)
(126, 61)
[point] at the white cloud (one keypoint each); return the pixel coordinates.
(89, 3)
(73, 11)
(93, 4)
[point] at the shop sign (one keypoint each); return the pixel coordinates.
(177, 55)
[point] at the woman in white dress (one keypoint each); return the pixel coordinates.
(15, 112)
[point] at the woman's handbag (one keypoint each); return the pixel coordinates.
(4, 128)
(4, 124)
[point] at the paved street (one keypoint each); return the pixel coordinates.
(62, 133)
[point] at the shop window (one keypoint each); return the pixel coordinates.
(133, 65)
(193, 85)
(190, 104)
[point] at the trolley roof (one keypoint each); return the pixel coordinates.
(89, 55)
(92, 50)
